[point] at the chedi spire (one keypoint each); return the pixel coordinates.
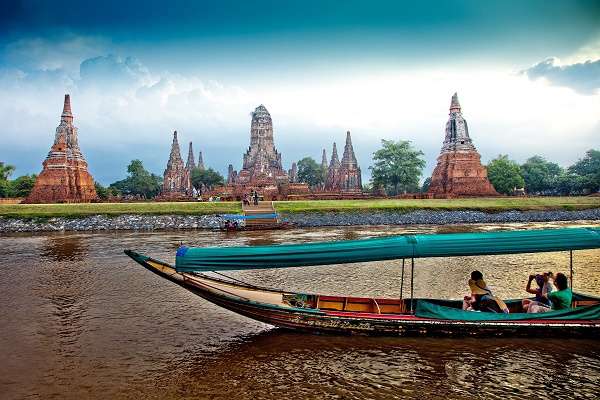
(65, 178)
(191, 164)
(344, 176)
(459, 171)
(176, 178)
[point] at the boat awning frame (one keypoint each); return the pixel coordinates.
(389, 248)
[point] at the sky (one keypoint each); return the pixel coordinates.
(527, 74)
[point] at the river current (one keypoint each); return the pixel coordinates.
(80, 320)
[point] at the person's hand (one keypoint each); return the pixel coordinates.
(531, 277)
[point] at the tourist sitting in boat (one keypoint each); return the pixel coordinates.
(561, 299)
(539, 279)
(481, 298)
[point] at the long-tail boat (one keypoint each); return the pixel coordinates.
(382, 316)
(238, 223)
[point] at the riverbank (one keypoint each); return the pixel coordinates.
(304, 219)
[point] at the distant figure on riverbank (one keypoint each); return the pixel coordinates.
(256, 198)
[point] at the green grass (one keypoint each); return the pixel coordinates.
(478, 204)
(82, 210)
(492, 205)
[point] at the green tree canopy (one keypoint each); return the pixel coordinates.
(103, 192)
(139, 181)
(206, 177)
(504, 175)
(6, 171)
(588, 171)
(21, 187)
(311, 172)
(540, 176)
(397, 165)
(426, 185)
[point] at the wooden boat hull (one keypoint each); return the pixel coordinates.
(271, 307)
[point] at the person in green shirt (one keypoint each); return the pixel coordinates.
(561, 299)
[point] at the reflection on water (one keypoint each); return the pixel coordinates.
(64, 248)
(81, 320)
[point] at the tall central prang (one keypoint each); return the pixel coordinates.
(262, 162)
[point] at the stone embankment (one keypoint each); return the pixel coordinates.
(175, 222)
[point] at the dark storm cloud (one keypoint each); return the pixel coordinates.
(584, 78)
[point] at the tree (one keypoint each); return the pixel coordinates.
(540, 176)
(397, 165)
(102, 192)
(205, 177)
(21, 187)
(6, 171)
(311, 172)
(588, 169)
(504, 175)
(139, 181)
(426, 184)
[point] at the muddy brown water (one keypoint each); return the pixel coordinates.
(81, 320)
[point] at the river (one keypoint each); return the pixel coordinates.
(79, 320)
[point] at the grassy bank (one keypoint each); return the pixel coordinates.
(45, 211)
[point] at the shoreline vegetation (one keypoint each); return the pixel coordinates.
(487, 205)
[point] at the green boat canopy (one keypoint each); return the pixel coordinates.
(389, 248)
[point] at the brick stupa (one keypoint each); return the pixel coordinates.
(459, 172)
(65, 178)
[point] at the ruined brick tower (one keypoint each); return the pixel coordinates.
(344, 176)
(459, 171)
(65, 178)
(262, 162)
(176, 177)
(191, 164)
(200, 161)
(332, 170)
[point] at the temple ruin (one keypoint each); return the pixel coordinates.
(343, 176)
(262, 163)
(459, 171)
(262, 169)
(191, 163)
(65, 178)
(176, 176)
(200, 159)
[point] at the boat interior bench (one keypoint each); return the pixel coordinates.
(361, 304)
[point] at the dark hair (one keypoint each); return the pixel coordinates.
(561, 281)
(476, 275)
(539, 279)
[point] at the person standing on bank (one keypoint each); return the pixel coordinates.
(256, 197)
(561, 299)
